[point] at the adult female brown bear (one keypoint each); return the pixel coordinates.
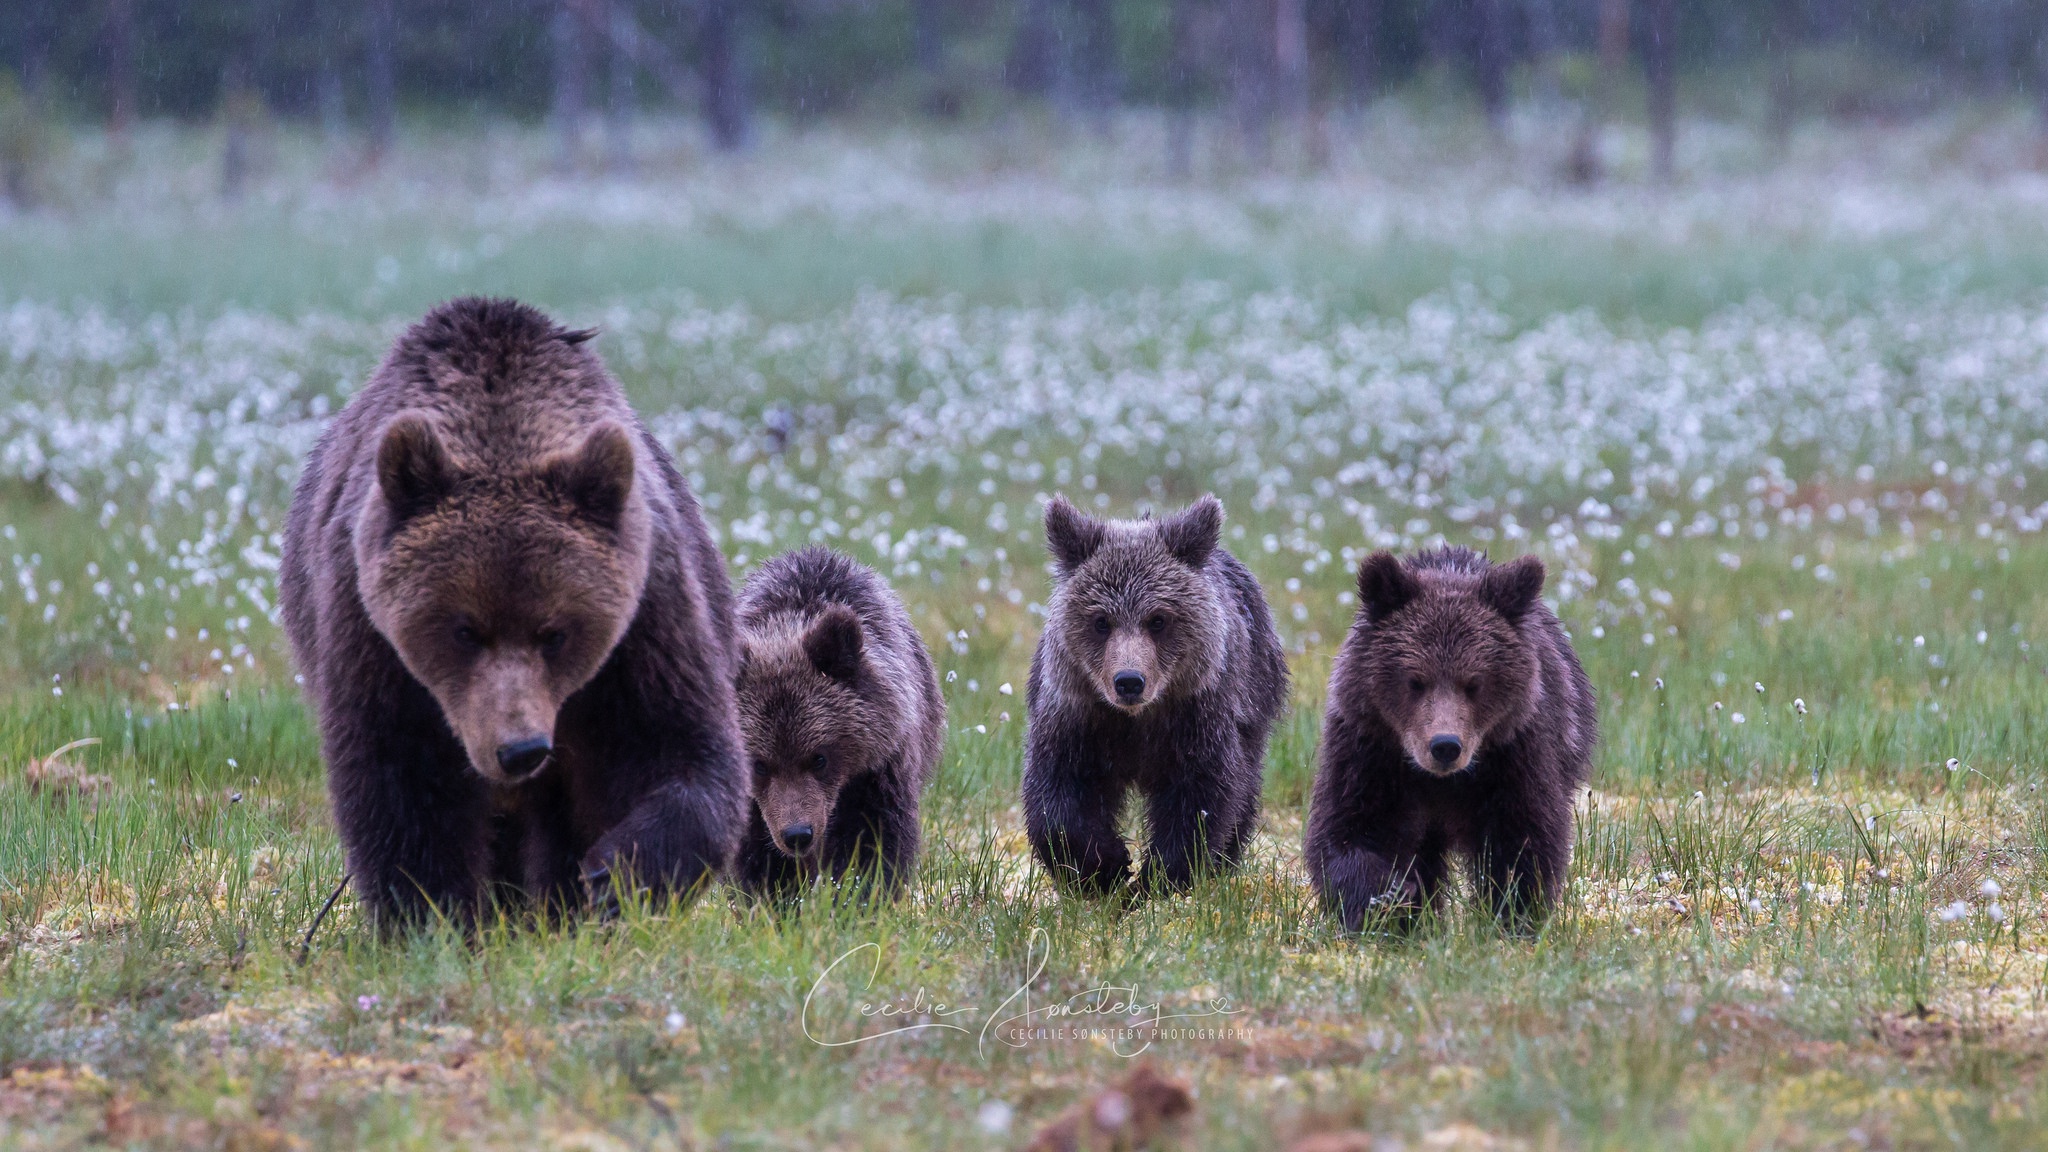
(1458, 721)
(514, 626)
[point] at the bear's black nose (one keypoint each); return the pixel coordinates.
(798, 838)
(1444, 749)
(1129, 685)
(523, 758)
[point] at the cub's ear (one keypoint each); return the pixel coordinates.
(598, 477)
(413, 469)
(1385, 585)
(1071, 534)
(1193, 533)
(834, 643)
(1513, 588)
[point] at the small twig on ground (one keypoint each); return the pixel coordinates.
(320, 917)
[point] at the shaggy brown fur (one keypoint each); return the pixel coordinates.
(1141, 1108)
(843, 720)
(1158, 669)
(1459, 721)
(514, 627)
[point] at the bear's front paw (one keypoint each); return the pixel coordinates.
(599, 890)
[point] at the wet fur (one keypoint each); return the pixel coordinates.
(832, 664)
(1194, 748)
(491, 471)
(1382, 827)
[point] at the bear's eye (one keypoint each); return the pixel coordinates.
(1156, 625)
(1418, 685)
(818, 762)
(1472, 689)
(468, 637)
(551, 641)
(1102, 625)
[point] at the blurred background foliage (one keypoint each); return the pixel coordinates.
(359, 65)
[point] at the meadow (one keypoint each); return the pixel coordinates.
(1780, 432)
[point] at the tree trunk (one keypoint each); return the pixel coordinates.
(1253, 82)
(1357, 41)
(928, 36)
(120, 67)
(567, 33)
(725, 92)
(1660, 64)
(1032, 64)
(382, 77)
(1490, 55)
(619, 124)
(1095, 55)
(1783, 93)
(1543, 43)
(1181, 83)
(1583, 167)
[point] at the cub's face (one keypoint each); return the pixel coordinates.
(503, 595)
(805, 725)
(1134, 614)
(1446, 666)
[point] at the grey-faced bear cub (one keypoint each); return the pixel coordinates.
(843, 722)
(1159, 670)
(1459, 722)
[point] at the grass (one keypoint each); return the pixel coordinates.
(1781, 928)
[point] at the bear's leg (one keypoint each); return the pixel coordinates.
(762, 869)
(1071, 819)
(415, 825)
(1204, 792)
(873, 831)
(1369, 887)
(673, 841)
(1523, 856)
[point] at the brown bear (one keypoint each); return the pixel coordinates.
(843, 721)
(1158, 669)
(514, 627)
(1459, 721)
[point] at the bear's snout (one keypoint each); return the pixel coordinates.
(1130, 686)
(1444, 748)
(523, 757)
(797, 838)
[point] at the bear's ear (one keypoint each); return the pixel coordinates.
(413, 470)
(574, 336)
(834, 643)
(1072, 534)
(1513, 588)
(598, 477)
(1194, 532)
(1385, 585)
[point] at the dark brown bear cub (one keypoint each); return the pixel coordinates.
(1159, 670)
(1458, 721)
(514, 627)
(843, 721)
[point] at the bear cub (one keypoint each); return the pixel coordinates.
(1158, 670)
(1459, 721)
(843, 720)
(514, 629)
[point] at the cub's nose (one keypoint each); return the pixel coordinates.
(1129, 685)
(798, 838)
(1444, 749)
(522, 758)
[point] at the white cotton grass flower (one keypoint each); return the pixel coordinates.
(1989, 889)
(1954, 912)
(994, 1117)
